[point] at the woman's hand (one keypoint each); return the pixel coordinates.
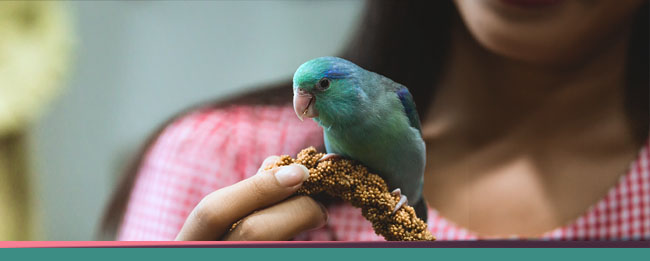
(275, 216)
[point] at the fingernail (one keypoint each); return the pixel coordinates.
(292, 175)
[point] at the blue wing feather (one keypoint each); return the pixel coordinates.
(409, 107)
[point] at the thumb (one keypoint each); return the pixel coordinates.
(258, 191)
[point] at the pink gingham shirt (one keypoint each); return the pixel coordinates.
(209, 149)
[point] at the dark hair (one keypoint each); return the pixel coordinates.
(638, 70)
(391, 41)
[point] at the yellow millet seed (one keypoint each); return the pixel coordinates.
(353, 183)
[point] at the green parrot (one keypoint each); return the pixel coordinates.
(368, 118)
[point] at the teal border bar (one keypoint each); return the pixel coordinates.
(315, 254)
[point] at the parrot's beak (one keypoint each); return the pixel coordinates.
(303, 104)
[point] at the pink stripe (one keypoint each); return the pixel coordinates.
(44, 244)
(598, 225)
(645, 195)
(619, 211)
(634, 178)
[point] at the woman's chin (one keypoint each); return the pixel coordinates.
(546, 32)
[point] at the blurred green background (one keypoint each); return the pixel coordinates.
(135, 64)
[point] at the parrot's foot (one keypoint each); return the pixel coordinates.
(402, 199)
(331, 156)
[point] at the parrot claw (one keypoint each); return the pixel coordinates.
(332, 156)
(402, 200)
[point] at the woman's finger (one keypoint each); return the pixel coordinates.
(211, 218)
(281, 222)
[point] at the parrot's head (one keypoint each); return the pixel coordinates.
(327, 89)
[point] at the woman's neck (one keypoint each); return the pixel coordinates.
(483, 94)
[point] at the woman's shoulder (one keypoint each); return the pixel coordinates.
(236, 131)
(244, 130)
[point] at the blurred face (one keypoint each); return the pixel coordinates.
(546, 31)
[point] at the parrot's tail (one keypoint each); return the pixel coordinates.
(421, 209)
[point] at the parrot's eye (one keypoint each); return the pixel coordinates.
(323, 84)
